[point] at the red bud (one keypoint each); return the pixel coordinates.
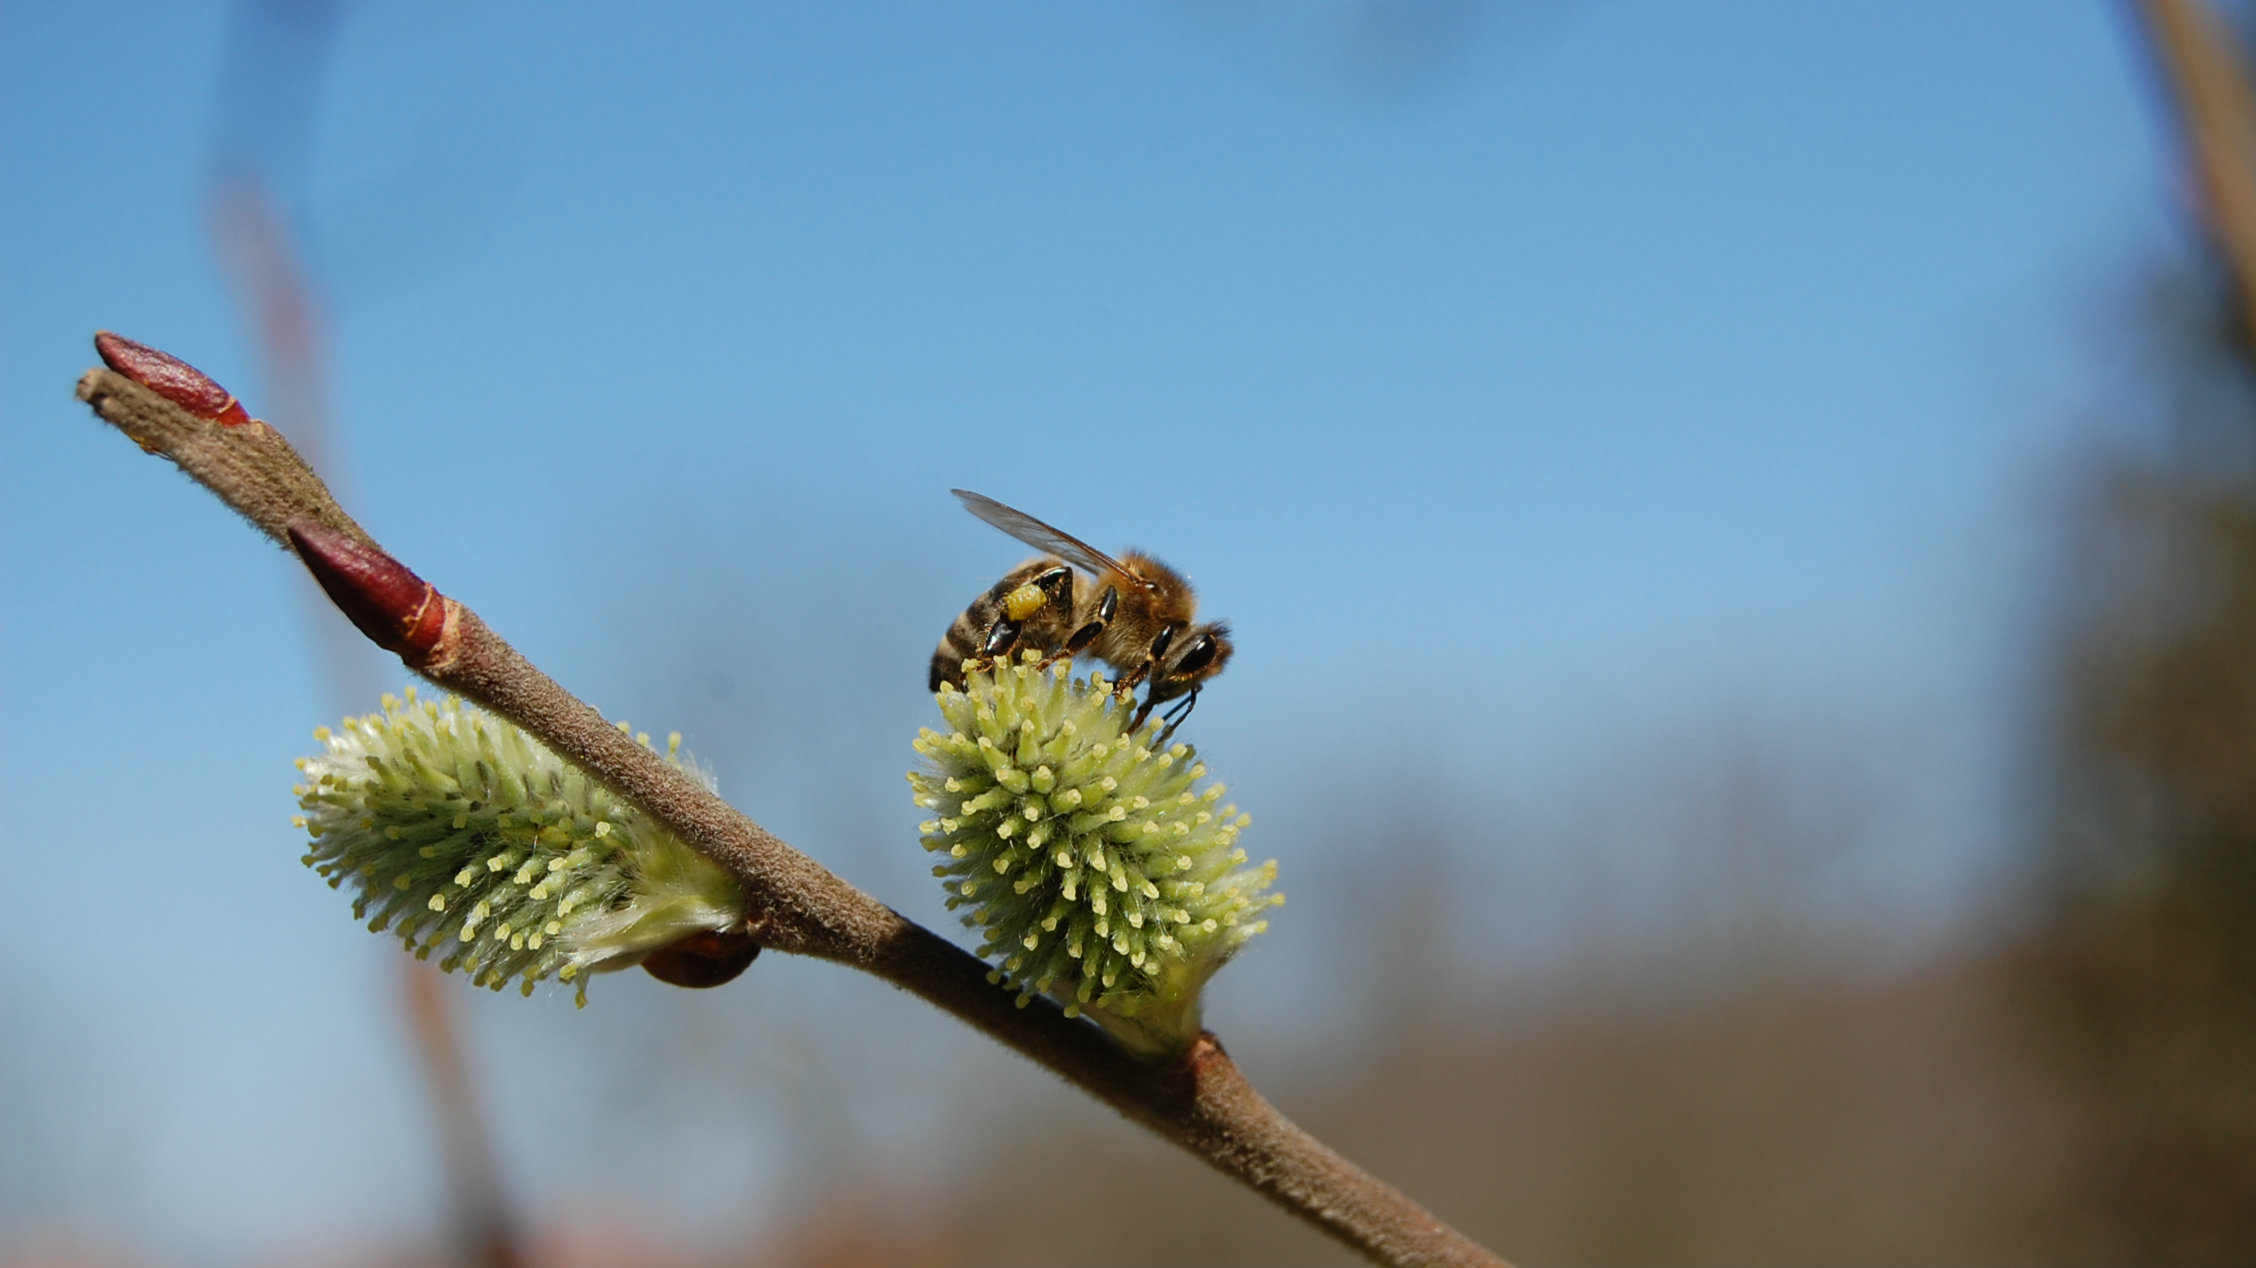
(398, 611)
(171, 378)
(703, 959)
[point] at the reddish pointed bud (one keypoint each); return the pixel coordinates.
(398, 611)
(171, 378)
(703, 959)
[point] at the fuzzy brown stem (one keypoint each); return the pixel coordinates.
(1199, 1101)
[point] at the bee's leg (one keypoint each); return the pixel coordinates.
(1136, 723)
(1177, 712)
(1174, 716)
(1078, 642)
(1134, 678)
(1001, 637)
(1050, 588)
(1018, 604)
(1057, 589)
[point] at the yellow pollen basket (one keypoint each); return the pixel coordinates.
(1024, 601)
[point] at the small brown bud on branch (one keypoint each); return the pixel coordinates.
(171, 378)
(398, 611)
(703, 959)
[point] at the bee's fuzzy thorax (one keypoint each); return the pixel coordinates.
(464, 835)
(1097, 869)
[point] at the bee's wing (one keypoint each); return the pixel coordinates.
(1043, 537)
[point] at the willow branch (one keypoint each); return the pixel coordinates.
(793, 904)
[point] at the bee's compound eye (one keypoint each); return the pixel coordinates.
(1197, 655)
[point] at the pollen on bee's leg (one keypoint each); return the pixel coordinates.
(1024, 602)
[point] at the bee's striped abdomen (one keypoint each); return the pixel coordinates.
(967, 637)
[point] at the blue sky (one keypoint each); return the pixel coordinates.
(1526, 389)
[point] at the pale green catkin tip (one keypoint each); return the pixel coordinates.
(1091, 861)
(460, 832)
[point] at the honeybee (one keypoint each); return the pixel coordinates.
(1133, 613)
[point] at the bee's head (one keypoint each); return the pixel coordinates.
(1186, 657)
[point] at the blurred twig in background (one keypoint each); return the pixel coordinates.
(2207, 80)
(484, 1231)
(266, 107)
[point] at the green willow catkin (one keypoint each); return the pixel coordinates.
(465, 836)
(1098, 870)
